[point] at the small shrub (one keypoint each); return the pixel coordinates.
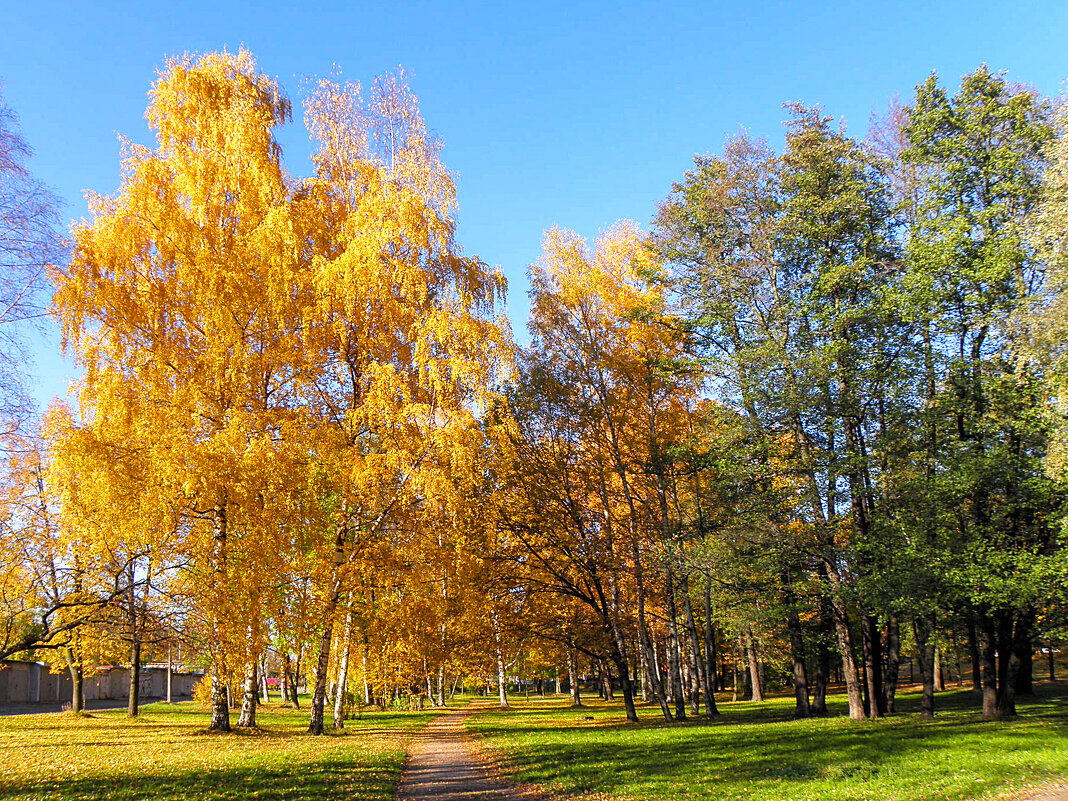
(202, 690)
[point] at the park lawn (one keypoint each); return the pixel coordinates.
(758, 751)
(167, 753)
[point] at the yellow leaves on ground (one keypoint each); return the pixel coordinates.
(167, 755)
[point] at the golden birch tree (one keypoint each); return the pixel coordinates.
(402, 351)
(299, 359)
(177, 305)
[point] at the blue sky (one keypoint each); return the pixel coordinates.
(576, 113)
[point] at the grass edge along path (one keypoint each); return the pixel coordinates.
(758, 751)
(167, 754)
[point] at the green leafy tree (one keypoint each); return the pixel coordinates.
(980, 157)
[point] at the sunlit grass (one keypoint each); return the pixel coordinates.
(758, 751)
(168, 754)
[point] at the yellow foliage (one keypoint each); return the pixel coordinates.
(278, 371)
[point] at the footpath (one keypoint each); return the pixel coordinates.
(442, 765)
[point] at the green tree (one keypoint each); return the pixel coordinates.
(980, 156)
(782, 269)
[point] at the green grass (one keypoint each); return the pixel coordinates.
(167, 753)
(758, 751)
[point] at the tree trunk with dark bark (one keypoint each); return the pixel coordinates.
(845, 646)
(988, 661)
(939, 670)
(619, 656)
(1024, 649)
(294, 678)
(572, 679)
(823, 655)
(133, 700)
(72, 654)
(973, 652)
(956, 657)
(1009, 667)
(133, 704)
(893, 662)
(923, 630)
(606, 680)
(871, 637)
(674, 650)
(711, 669)
(322, 665)
(697, 682)
(756, 691)
(797, 646)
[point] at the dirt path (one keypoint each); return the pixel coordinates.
(443, 766)
(1057, 793)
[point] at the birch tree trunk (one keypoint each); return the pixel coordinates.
(645, 675)
(220, 709)
(247, 719)
(322, 665)
(367, 699)
(873, 665)
(265, 692)
(643, 637)
(342, 675)
(502, 691)
(133, 699)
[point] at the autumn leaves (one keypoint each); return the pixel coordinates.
(300, 429)
(292, 361)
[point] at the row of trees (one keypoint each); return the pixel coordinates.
(809, 425)
(822, 388)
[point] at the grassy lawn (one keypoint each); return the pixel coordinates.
(168, 754)
(757, 751)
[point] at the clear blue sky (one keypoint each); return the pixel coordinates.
(577, 113)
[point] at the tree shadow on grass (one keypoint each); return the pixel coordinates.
(338, 780)
(754, 744)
